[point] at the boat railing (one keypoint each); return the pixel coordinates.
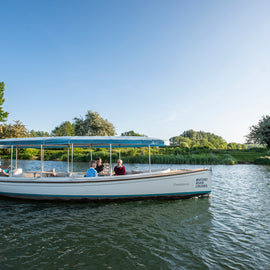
(39, 174)
(77, 175)
(53, 173)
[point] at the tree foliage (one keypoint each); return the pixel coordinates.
(93, 125)
(132, 133)
(3, 114)
(260, 133)
(191, 138)
(38, 133)
(18, 130)
(236, 146)
(65, 129)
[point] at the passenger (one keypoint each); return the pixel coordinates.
(3, 172)
(119, 169)
(100, 166)
(91, 172)
(50, 173)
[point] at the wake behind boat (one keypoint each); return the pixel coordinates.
(41, 185)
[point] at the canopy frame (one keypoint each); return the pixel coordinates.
(79, 141)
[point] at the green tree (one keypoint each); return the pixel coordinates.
(93, 125)
(179, 140)
(236, 146)
(39, 133)
(132, 133)
(199, 139)
(260, 133)
(184, 145)
(65, 129)
(3, 115)
(174, 141)
(18, 130)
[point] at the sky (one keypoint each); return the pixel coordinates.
(153, 66)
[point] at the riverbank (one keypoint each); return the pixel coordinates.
(162, 155)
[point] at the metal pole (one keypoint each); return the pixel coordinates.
(16, 158)
(119, 153)
(11, 159)
(41, 158)
(68, 159)
(72, 157)
(110, 159)
(91, 155)
(149, 159)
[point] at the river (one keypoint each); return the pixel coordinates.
(231, 230)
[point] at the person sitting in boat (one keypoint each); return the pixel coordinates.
(119, 169)
(91, 172)
(100, 166)
(50, 173)
(3, 172)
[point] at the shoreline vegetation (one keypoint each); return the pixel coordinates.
(190, 147)
(161, 155)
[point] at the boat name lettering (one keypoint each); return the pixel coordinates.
(200, 182)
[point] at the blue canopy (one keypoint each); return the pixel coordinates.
(81, 141)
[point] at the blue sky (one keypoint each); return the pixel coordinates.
(156, 67)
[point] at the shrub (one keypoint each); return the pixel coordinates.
(28, 153)
(228, 160)
(262, 160)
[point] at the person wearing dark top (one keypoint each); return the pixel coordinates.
(119, 169)
(100, 166)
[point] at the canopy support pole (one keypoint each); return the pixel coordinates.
(68, 160)
(149, 158)
(72, 157)
(91, 155)
(110, 160)
(41, 159)
(119, 153)
(16, 159)
(11, 159)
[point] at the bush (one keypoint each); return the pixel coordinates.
(228, 160)
(28, 153)
(262, 160)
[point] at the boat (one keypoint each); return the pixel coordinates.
(70, 185)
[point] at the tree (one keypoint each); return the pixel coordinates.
(3, 115)
(39, 133)
(18, 130)
(178, 140)
(237, 146)
(199, 139)
(132, 133)
(65, 129)
(93, 125)
(260, 133)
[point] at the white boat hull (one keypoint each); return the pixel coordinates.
(158, 185)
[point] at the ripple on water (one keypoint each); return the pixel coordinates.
(229, 231)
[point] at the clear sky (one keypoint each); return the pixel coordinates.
(156, 67)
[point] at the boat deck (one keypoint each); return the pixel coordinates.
(39, 174)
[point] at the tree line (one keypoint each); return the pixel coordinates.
(92, 124)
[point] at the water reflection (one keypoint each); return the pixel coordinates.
(131, 234)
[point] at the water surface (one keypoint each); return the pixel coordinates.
(231, 230)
